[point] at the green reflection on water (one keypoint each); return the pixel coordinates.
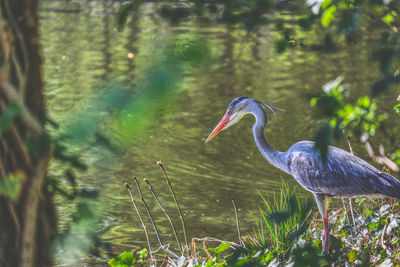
(154, 91)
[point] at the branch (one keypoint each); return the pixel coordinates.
(30, 121)
(382, 159)
(141, 220)
(152, 220)
(159, 163)
(164, 211)
(237, 222)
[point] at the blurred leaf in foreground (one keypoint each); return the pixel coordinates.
(10, 186)
(8, 115)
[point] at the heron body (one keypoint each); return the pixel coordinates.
(341, 175)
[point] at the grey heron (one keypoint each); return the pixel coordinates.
(341, 175)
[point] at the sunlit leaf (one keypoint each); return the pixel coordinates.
(328, 16)
(397, 108)
(389, 17)
(352, 255)
(268, 256)
(373, 225)
(364, 102)
(368, 212)
(125, 259)
(326, 3)
(143, 254)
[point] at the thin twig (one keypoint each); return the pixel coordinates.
(159, 163)
(348, 142)
(382, 159)
(152, 221)
(383, 238)
(141, 220)
(252, 239)
(12, 95)
(206, 250)
(194, 248)
(237, 222)
(347, 214)
(352, 215)
(164, 211)
(212, 239)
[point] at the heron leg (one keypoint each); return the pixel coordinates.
(323, 205)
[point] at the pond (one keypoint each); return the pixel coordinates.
(125, 99)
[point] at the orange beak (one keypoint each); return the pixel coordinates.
(224, 121)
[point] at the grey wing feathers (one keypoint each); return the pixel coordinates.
(343, 174)
(388, 185)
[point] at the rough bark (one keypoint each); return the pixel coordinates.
(27, 222)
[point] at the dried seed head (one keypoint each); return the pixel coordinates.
(146, 180)
(159, 163)
(126, 185)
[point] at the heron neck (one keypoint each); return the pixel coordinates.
(276, 158)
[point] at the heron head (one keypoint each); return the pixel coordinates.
(239, 107)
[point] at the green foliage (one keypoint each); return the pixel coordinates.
(307, 255)
(345, 17)
(376, 222)
(8, 115)
(330, 101)
(359, 119)
(218, 250)
(389, 17)
(328, 15)
(395, 156)
(397, 107)
(352, 256)
(285, 218)
(10, 185)
(143, 254)
(125, 259)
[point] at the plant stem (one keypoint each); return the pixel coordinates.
(164, 211)
(152, 220)
(159, 163)
(141, 220)
(348, 142)
(350, 204)
(237, 222)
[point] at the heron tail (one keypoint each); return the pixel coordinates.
(388, 185)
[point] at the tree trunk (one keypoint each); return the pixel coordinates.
(27, 216)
